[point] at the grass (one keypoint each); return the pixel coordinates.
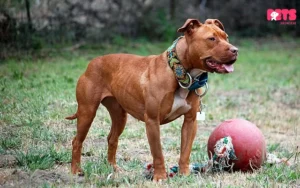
(37, 93)
(41, 158)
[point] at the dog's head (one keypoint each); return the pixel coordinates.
(208, 46)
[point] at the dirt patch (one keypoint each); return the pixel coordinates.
(14, 178)
(7, 161)
(19, 178)
(41, 176)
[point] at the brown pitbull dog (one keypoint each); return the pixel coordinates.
(147, 89)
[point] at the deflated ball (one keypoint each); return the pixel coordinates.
(237, 144)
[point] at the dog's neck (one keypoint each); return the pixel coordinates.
(181, 50)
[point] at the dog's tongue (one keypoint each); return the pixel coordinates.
(228, 68)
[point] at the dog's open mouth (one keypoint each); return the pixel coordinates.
(220, 67)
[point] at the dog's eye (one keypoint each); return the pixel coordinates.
(212, 38)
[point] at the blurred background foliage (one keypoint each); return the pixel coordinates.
(34, 24)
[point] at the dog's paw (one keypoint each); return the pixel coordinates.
(80, 174)
(184, 171)
(77, 171)
(118, 169)
(159, 177)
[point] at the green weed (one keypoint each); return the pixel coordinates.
(8, 143)
(41, 158)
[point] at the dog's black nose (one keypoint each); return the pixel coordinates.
(234, 49)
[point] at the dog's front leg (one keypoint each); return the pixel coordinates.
(153, 135)
(188, 133)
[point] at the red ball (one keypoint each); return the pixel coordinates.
(247, 140)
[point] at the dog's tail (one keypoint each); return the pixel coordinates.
(74, 116)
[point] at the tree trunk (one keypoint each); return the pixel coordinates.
(202, 10)
(172, 9)
(27, 4)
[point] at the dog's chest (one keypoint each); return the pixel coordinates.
(179, 107)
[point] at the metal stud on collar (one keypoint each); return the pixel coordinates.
(185, 87)
(204, 93)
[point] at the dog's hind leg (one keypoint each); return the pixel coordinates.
(88, 103)
(118, 117)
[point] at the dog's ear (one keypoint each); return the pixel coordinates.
(189, 26)
(216, 22)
